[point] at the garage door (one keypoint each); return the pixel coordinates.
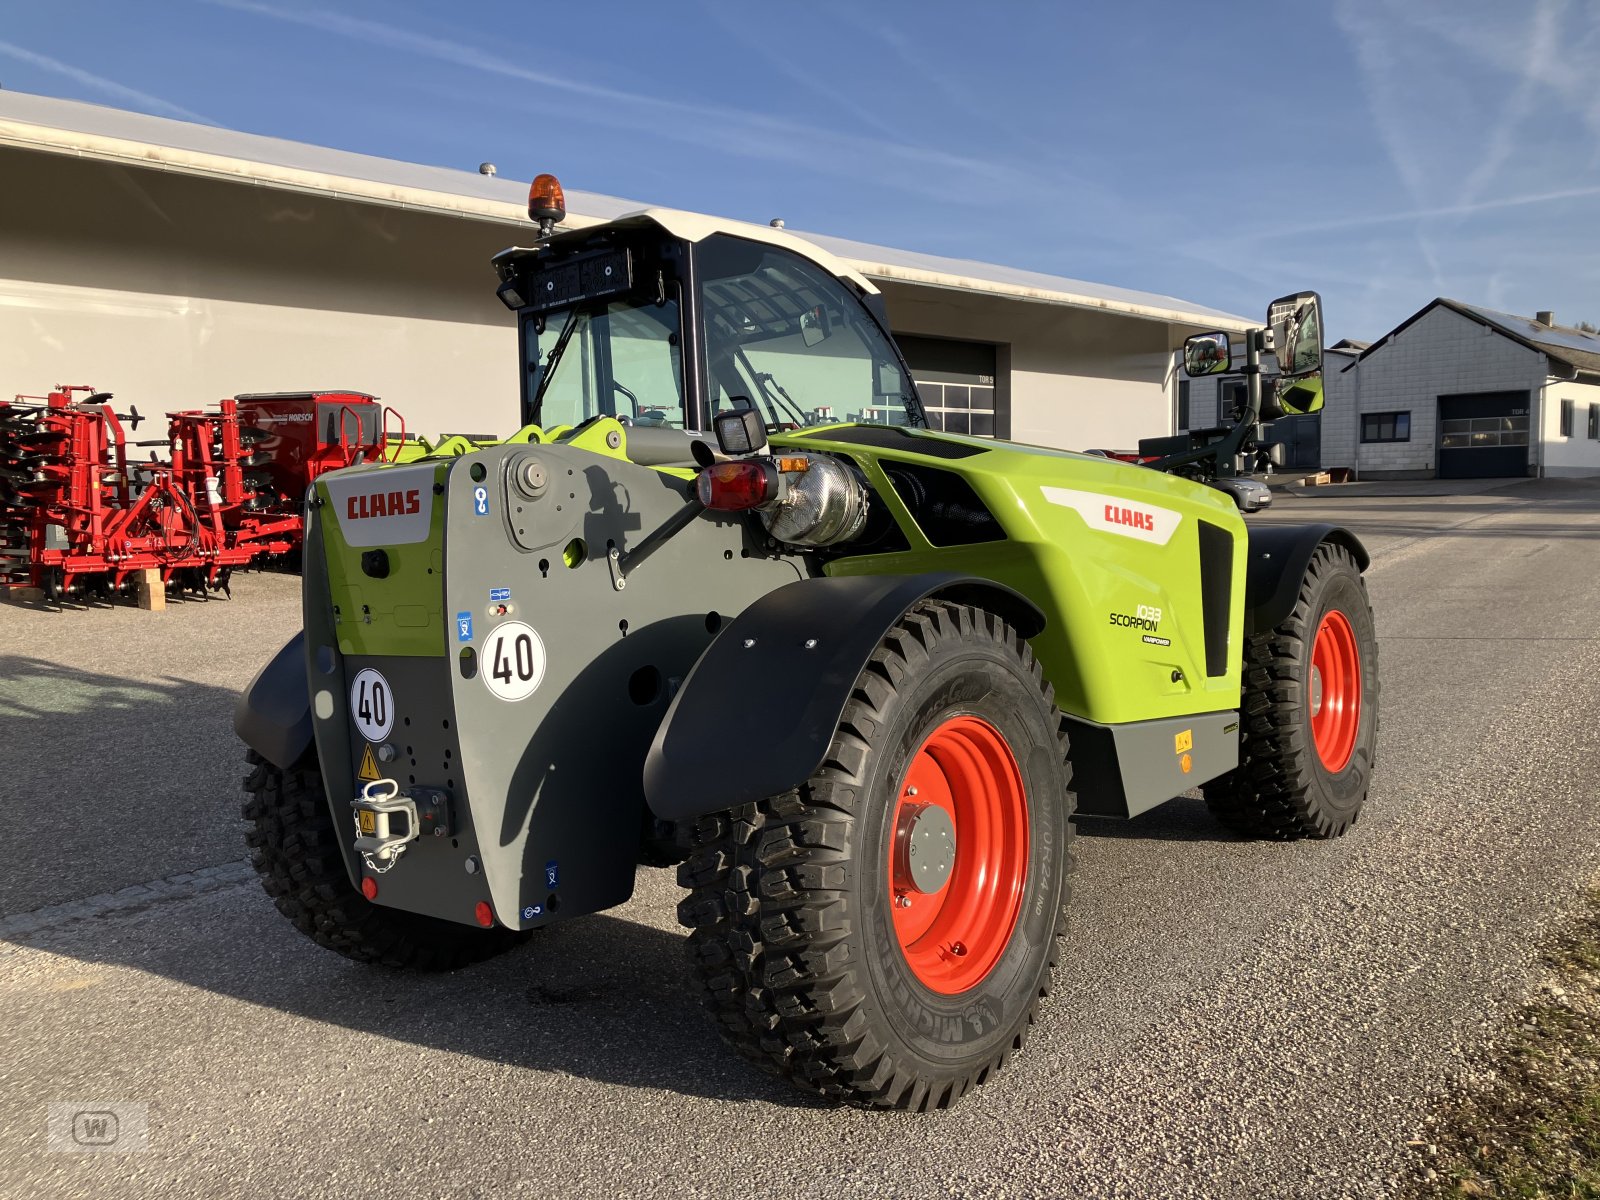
(1483, 435)
(956, 382)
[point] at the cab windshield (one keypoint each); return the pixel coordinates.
(788, 337)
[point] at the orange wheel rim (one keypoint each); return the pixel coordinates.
(958, 855)
(1335, 691)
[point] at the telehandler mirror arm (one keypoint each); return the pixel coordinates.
(624, 561)
(1229, 446)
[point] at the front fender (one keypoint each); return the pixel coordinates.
(273, 715)
(756, 715)
(1278, 555)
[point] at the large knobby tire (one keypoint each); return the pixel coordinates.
(823, 954)
(295, 850)
(1309, 712)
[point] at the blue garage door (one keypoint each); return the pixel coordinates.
(1483, 435)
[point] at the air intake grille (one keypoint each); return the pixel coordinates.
(944, 505)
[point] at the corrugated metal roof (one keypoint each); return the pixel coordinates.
(92, 130)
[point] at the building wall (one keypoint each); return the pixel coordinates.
(1578, 454)
(1443, 353)
(1075, 378)
(173, 291)
(1340, 426)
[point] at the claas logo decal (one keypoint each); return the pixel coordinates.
(1131, 516)
(383, 504)
(391, 507)
(1111, 514)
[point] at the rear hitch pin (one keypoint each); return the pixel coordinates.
(377, 842)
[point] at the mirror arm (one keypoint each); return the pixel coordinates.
(1229, 446)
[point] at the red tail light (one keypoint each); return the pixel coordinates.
(369, 888)
(735, 486)
(484, 914)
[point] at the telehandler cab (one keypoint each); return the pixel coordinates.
(728, 602)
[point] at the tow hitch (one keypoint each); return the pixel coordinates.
(388, 821)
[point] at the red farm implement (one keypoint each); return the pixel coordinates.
(80, 517)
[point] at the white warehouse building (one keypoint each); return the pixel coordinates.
(175, 263)
(1459, 391)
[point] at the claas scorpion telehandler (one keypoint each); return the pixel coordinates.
(729, 603)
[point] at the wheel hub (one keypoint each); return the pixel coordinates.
(957, 854)
(1334, 688)
(926, 839)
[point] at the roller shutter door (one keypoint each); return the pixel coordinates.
(1483, 435)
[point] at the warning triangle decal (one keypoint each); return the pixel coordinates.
(369, 764)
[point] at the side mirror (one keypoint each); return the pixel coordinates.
(1296, 324)
(1298, 397)
(1206, 354)
(814, 326)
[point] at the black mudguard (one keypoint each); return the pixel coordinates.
(1278, 555)
(273, 715)
(756, 715)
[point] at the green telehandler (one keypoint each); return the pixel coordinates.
(728, 602)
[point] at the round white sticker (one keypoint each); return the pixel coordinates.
(372, 705)
(513, 660)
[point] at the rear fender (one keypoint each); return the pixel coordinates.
(756, 715)
(1278, 555)
(273, 715)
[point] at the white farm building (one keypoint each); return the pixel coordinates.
(1459, 391)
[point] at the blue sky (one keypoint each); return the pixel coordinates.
(1380, 151)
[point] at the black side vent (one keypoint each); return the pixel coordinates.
(943, 504)
(1216, 593)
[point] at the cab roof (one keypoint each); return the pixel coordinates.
(696, 227)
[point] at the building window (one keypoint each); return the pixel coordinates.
(1386, 427)
(1594, 422)
(1480, 433)
(1566, 417)
(1183, 404)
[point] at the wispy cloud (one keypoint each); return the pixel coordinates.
(1423, 214)
(1378, 55)
(734, 23)
(95, 82)
(1503, 137)
(1567, 68)
(1382, 76)
(1468, 99)
(731, 130)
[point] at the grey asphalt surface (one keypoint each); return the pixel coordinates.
(1232, 1019)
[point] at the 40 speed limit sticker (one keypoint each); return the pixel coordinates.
(371, 705)
(513, 660)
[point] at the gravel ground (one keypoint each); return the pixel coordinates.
(1232, 1019)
